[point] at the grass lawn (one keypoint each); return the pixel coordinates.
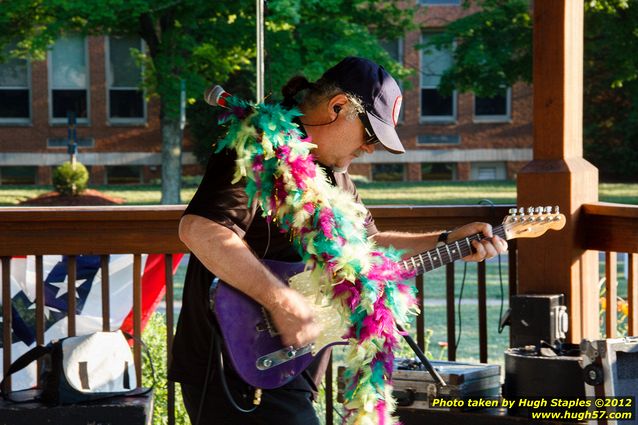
(459, 193)
(377, 193)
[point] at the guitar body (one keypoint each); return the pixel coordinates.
(254, 345)
(251, 343)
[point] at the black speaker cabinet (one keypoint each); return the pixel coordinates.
(536, 318)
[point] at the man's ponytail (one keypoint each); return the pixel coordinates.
(292, 88)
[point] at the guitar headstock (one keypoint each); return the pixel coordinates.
(532, 222)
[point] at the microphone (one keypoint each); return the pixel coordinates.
(216, 96)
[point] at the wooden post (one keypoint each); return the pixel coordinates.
(558, 174)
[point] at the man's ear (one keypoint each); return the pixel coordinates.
(337, 104)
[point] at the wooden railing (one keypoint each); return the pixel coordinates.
(102, 231)
(613, 228)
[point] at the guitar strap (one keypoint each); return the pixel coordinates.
(253, 212)
(216, 351)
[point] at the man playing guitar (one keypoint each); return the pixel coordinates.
(347, 113)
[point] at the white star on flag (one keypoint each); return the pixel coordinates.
(47, 310)
(63, 286)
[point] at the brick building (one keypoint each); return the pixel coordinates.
(118, 131)
(458, 137)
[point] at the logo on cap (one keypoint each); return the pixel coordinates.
(396, 110)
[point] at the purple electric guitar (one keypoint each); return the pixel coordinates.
(253, 343)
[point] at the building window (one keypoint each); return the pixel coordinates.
(395, 50)
(124, 76)
(69, 79)
(493, 109)
(435, 107)
(388, 172)
(17, 175)
(54, 143)
(123, 174)
(440, 2)
(438, 171)
(15, 92)
(488, 171)
(438, 139)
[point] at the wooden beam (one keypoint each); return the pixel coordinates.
(558, 175)
(632, 294)
(611, 295)
(611, 227)
(90, 230)
(6, 318)
(154, 230)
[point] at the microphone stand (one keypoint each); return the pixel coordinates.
(419, 353)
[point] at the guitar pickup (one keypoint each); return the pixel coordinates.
(266, 324)
(261, 326)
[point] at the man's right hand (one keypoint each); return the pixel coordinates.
(227, 256)
(293, 317)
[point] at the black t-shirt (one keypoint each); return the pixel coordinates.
(227, 204)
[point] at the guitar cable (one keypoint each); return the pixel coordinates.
(215, 351)
(458, 337)
(500, 275)
(501, 324)
(222, 378)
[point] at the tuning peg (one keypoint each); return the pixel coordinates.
(548, 210)
(556, 210)
(530, 210)
(512, 211)
(538, 210)
(521, 211)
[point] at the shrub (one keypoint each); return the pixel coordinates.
(69, 179)
(154, 336)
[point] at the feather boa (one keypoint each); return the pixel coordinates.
(327, 228)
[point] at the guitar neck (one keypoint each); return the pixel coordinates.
(437, 257)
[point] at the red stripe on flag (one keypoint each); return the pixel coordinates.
(153, 288)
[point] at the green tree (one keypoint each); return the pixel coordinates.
(493, 49)
(202, 41)
(70, 179)
(306, 37)
(187, 40)
(611, 87)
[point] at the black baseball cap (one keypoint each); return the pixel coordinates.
(379, 93)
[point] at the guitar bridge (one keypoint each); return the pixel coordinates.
(282, 356)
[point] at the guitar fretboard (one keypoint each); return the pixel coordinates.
(437, 257)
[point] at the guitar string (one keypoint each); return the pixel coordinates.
(436, 255)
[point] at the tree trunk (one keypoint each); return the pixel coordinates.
(171, 160)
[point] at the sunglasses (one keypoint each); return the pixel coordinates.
(370, 138)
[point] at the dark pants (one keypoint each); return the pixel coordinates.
(278, 406)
